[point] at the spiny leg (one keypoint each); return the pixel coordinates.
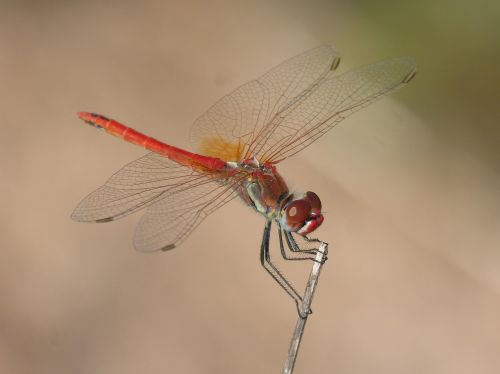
(296, 253)
(292, 244)
(265, 260)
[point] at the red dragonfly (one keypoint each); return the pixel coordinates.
(240, 141)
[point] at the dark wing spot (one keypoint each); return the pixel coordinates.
(335, 64)
(168, 247)
(104, 220)
(410, 76)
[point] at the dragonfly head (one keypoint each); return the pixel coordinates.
(301, 213)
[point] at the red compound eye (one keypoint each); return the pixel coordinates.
(297, 212)
(314, 201)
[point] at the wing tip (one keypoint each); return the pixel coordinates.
(145, 249)
(76, 216)
(409, 65)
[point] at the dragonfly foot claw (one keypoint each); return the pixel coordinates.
(322, 261)
(302, 314)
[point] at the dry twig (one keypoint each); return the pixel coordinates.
(305, 308)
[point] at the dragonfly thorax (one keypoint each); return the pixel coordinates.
(266, 192)
(263, 188)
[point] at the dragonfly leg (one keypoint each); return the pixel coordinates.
(265, 260)
(295, 252)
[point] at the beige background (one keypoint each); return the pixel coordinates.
(410, 187)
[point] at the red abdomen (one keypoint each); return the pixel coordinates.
(130, 135)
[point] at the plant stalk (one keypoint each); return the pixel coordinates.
(305, 308)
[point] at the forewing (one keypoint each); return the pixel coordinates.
(237, 124)
(333, 100)
(138, 185)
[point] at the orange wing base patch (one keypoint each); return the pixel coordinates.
(220, 148)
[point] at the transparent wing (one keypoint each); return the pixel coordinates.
(138, 185)
(178, 199)
(329, 103)
(168, 222)
(236, 127)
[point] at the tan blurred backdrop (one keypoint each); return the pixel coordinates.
(410, 187)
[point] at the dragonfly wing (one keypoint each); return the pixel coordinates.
(234, 127)
(332, 100)
(137, 185)
(168, 222)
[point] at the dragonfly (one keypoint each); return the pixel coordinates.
(239, 143)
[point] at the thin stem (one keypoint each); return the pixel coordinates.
(305, 308)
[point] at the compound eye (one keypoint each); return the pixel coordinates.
(314, 201)
(297, 212)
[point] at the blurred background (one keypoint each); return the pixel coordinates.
(409, 185)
